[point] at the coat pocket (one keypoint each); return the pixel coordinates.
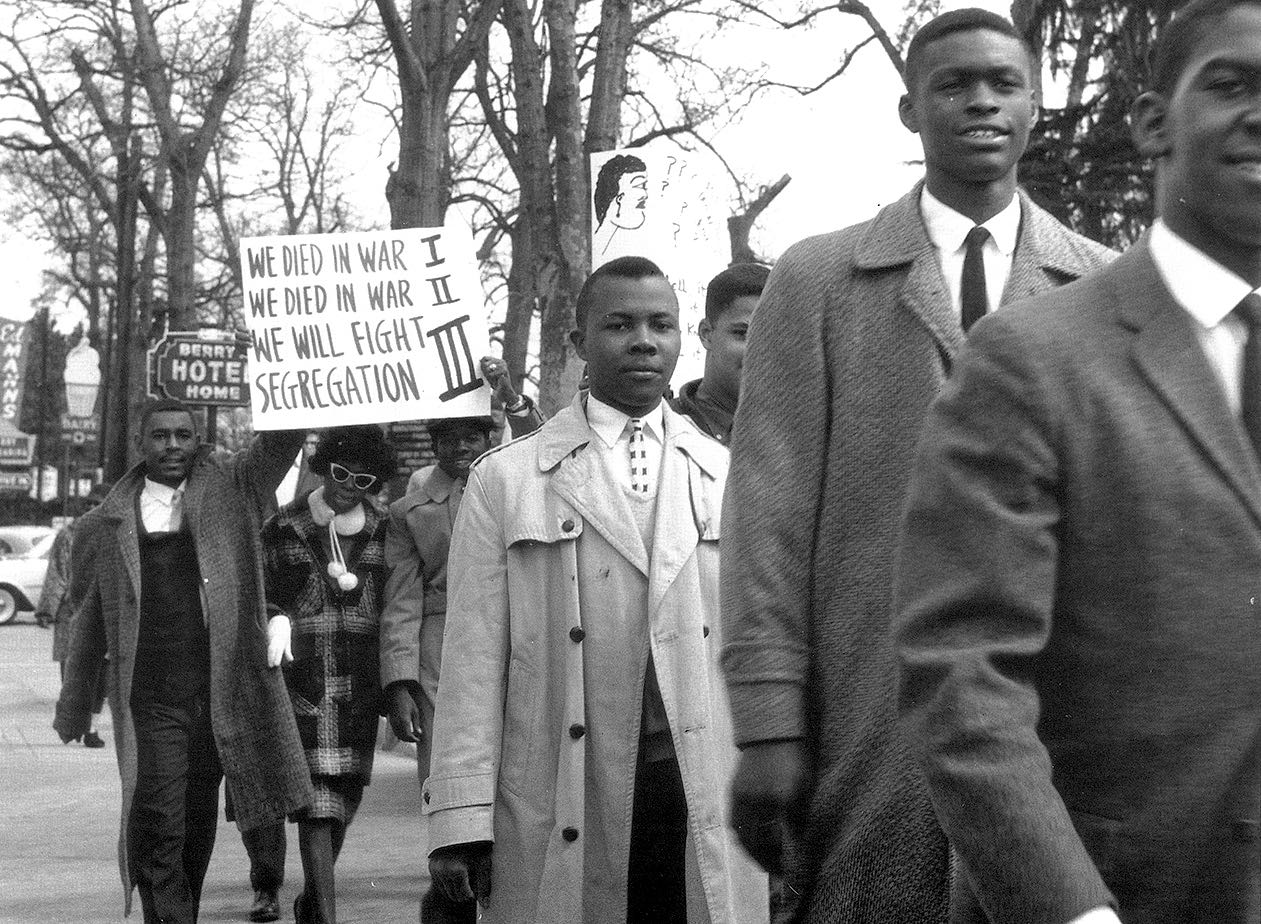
(521, 728)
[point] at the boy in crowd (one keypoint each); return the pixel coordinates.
(711, 401)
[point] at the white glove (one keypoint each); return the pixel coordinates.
(279, 648)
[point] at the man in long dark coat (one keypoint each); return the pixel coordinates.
(856, 332)
(173, 593)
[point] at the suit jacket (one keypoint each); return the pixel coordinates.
(555, 604)
(852, 339)
(250, 711)
(1078, 613)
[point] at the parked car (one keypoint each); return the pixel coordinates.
(18, 540)
(22, 577)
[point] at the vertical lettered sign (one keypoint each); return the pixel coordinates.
(364, 327)
(12, 368)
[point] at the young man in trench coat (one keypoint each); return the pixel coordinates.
(582, 747)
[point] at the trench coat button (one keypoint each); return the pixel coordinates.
(705, 631)
(570, 834)
(1245, 832)
(577, 634)
(577, 730)
(567, 526)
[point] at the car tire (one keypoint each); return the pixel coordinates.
(8, 605)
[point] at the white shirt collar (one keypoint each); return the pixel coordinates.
(1206, 289)
(163, 494)
(609, 423)
(947, 228)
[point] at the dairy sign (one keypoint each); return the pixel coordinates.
(206, 368)
(364, 327)
(12, 366)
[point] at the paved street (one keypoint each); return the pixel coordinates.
(58, 860)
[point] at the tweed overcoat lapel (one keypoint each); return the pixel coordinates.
(897, 238)
(1169, 356)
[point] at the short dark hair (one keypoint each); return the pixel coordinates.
(736, 281)
(609, 177)
(965, 20)
(364, 444)
(162, 405)
(620, 268)
(1178, 39)
(440, 425)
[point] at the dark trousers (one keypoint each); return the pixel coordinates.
(175, 811)
(266, 849)
(656, 888)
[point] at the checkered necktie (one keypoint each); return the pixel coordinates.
(638, 457)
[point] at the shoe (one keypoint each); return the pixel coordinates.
(266, 906)
(93, 740)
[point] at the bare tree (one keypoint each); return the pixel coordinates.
(187, 119)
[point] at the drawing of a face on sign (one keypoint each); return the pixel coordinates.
(621, 194)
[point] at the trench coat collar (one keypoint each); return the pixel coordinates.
(896, 237)
(1169, 356)
(562, 440)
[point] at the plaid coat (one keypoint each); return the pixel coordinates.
(333, 680)
(253, 726)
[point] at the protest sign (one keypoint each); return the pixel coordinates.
(364, 327)
(656, 204)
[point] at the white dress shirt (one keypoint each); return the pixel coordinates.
(1209, 293)
(156, 501)
(611, 426)
(947, 230)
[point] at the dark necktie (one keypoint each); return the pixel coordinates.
(974, 298)
(1249, 311)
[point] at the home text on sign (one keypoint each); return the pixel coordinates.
(188, 366)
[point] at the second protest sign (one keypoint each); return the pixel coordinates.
(365, 327)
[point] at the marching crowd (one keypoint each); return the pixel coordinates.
(936, 603)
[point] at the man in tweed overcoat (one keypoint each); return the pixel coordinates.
(222, 672)
(856, 332)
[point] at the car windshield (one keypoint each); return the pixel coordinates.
(43, 545)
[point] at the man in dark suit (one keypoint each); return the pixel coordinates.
(854, 335)
(1079, 584)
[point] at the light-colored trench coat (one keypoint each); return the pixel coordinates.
(546, 632)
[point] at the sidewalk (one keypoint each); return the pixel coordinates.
(58, 846)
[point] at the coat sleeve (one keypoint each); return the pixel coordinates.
(771, 508)
(469, 712)
(404, 603)
(263, 465)
(520, 425)
(974, 603)
(87, 638)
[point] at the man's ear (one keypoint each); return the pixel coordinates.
(1034, 110)
(578, 339)
(1148, 125)
(705, 331)
(906, 112)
